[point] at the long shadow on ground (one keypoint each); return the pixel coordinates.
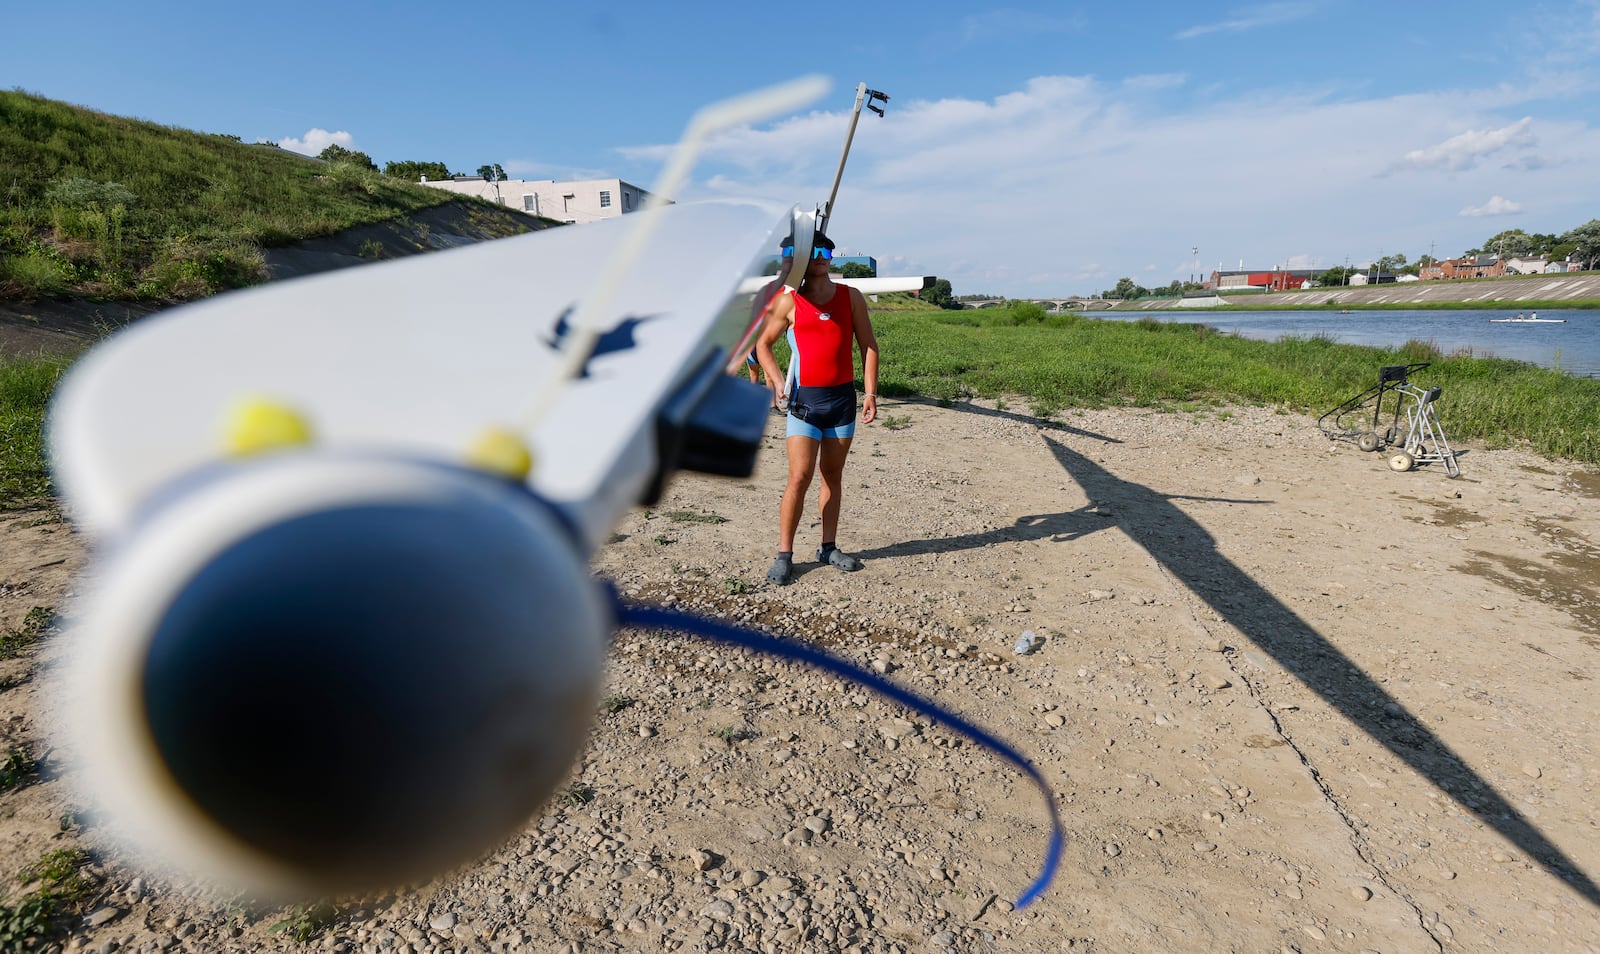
(1057, 527)
(1187, 551)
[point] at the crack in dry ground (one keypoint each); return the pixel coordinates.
(1257, 694)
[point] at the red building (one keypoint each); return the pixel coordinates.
(1277, 279)
(1471, 266)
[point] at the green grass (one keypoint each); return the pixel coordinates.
(18, 766)
(61, 890)
(1068, 361)
(15, 642)
(694, 516)
(25, 388)
(107, 207)
(1073, 361)
(304, 922)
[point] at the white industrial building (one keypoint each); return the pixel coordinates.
(573, 202)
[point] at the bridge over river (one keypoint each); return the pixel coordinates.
(1070, 303)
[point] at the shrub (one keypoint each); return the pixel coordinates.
(1028, 313)
(80, 193)
(186, 270)
(355, 177)
(39, 272)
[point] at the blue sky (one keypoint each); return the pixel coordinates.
(1029, 149)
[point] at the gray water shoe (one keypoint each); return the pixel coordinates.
(839, 558)
(782, 572)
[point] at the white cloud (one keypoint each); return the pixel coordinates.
(1068, 183)
(1496, 205)
(1251, 18)
(317, 140)
(1464, 150)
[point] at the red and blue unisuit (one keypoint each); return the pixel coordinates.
(822, 376)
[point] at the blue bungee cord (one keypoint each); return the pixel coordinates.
(659, 618)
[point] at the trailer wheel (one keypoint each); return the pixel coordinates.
(1402, 462)
(1368, 442)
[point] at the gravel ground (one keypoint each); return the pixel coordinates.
(1287, 699)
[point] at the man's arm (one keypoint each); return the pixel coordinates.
(868, 342)
(779, 312)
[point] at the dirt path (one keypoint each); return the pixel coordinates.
(1288, 699)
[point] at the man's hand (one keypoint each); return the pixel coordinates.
(869, 409)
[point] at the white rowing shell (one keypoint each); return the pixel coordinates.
(419, 356)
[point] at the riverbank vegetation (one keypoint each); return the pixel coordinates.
(112, 208)
(1055, 362)
(25, 388)
(1058, 362)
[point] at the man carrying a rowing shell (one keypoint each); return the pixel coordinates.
(825, 322)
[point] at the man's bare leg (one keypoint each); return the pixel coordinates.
(831, 465)
(802, 463)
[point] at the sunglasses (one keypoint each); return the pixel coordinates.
(826, 254)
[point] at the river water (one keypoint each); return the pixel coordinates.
(1573, 347)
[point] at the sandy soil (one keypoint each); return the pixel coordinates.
(1288, 700)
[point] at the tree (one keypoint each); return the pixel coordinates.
(1585, 241)
(1127, 290)
(337, 153)
(492, 171)
(940, 294)
(1337, 275)
(413, 171)
(1512, 243)
(855, 270)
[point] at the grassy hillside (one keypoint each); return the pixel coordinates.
(106, 207)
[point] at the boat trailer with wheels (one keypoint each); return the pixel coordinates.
(1422, 442)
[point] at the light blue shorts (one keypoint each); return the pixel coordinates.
(799, 428)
